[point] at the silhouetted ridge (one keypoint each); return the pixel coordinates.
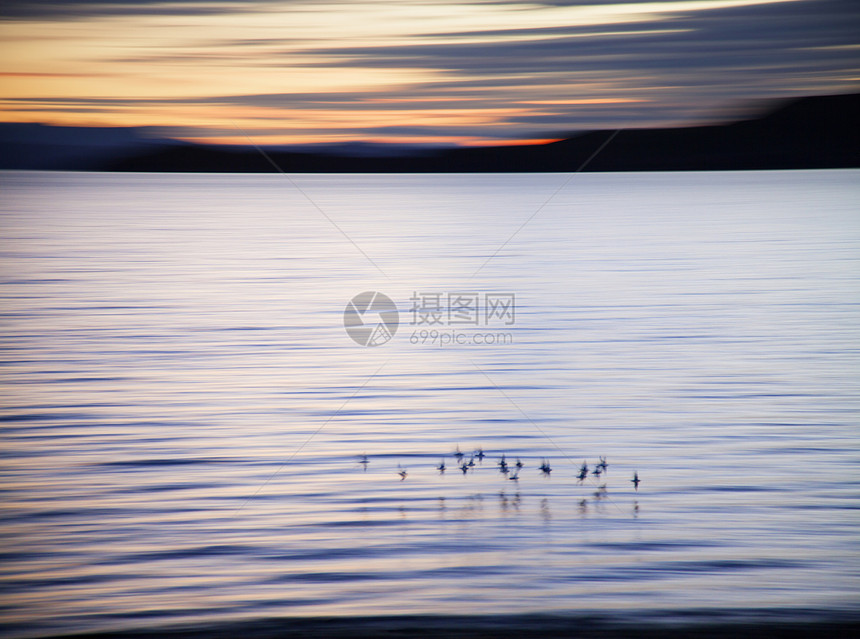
(807, 133)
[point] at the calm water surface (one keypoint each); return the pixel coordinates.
(184, 415)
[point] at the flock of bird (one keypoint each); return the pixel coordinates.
(510, 470)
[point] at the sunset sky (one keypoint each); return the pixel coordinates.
(465, 72)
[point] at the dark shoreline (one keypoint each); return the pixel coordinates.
(770, 624)
(808, 133)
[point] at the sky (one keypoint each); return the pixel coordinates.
(434, 72)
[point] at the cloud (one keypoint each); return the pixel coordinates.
(743, 37)
(729, 53)
(631, 64)
(81, 9)
(71, 9)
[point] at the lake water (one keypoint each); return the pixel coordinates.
(184, 414)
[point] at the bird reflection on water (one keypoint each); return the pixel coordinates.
(545, 513)
(598, 498)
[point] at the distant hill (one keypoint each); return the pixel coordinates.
(45, 147)
(806, 133)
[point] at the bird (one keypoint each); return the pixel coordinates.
(515, 476)
(597, 470)
(603, 465)
(464, 467)
(480, 454)
(401, 472)
(583, 472)
(519, 464)
(636, 480)
(503, 465)
(545, 467)
(458, 454)
(363, 461)
(441, 467)
(471, 462)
